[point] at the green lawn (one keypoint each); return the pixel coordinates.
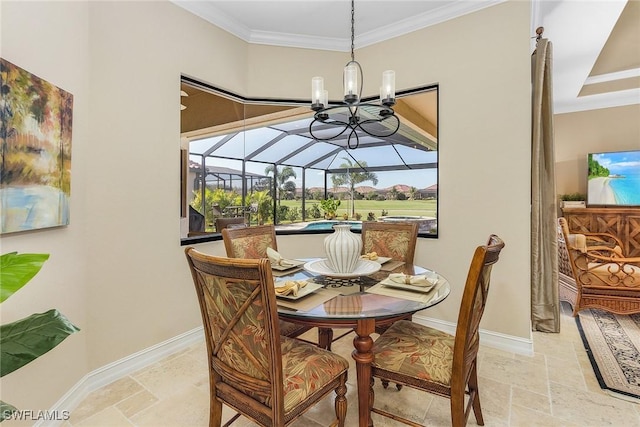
(393, 207)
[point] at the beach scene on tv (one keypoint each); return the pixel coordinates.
(614, 179)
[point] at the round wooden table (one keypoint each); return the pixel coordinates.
(361, 311)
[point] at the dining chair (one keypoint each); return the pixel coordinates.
(396, 240)
(252, 243)
(436, 362)
(268, 378)
(236, 222)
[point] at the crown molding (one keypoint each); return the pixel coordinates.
(596, 102)
(209, 12)
(604, 78)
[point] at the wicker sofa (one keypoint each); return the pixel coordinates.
(600, 276)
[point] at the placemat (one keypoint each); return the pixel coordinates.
(310, 301)
(391, 265)
(380, 289)
(280, 273)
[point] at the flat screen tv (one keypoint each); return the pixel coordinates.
(614, 179)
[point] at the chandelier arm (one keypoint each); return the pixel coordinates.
(318, 138)
(353, 133)
(379, 135)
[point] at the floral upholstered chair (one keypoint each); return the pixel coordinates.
(433, 361)
(252, 243)
(269, 378)
(396, 240)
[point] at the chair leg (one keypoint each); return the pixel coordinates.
(341, 402)
(325, 338)
(473, 389)
(215, 412)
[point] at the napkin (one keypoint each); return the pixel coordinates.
(370, 255)
(419, 280)
(291, 287)
(276, 259)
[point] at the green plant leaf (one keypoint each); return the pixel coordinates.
(16, 270)
(29, 338)
(5, 410)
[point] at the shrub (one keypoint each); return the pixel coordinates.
(294, 214)
(384, 213)
(313, 212)
(281, 213)
(330, 207)
(371, 216)
(358, 216)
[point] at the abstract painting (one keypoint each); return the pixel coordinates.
(35, 132)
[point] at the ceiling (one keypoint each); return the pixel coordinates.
(596, 44)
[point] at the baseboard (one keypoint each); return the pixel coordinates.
(120, 368)
(491, 339)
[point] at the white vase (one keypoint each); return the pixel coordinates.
(343, 249)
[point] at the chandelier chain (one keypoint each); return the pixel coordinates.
(353, 24)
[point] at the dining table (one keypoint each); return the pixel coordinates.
(363, 301)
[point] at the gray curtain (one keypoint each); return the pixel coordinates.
(545, 305)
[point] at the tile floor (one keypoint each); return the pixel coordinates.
(555, 387)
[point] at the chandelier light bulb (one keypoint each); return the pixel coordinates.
(350, 83)
(388, 90)
(318, 97)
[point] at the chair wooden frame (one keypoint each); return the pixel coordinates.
(567, 289)
(257, 388)
(229, 235)
(466, 342)
(605, 279)
(392, 228)
(224, 223)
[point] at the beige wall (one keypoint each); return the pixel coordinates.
(118, 270)
(50, 40)
(581, 133)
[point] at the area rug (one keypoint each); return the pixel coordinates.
(613, 345)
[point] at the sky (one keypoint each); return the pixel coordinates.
(620, 162)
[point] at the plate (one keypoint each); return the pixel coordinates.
(391, 284)
(310, 288)
(380, 259)
(295, 263)
(364, 267)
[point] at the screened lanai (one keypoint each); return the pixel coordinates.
(266, 146)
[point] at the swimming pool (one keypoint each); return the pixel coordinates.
(328, 225)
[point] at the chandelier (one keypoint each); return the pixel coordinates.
(332, 122)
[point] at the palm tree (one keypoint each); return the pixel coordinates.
(282, 176)
(354, 175)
